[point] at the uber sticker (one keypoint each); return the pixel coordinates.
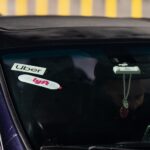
(28, 68)
(39, 82)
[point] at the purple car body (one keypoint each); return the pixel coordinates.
(10, 136)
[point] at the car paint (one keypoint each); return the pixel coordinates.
(10, 137)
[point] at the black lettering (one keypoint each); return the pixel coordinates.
(17, 67)
(38, 70)
(26, 68)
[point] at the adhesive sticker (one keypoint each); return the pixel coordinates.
(39, 82)
(28, 69)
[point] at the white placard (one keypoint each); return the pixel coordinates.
(28, 68)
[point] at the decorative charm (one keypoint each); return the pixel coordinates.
(124, 112)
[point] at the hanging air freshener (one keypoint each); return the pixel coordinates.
(124, 109)
(124, 112)
(124, 69)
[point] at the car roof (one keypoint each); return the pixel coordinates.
(34, 30)
(69, 21)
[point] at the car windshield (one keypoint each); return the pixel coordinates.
(72, 95)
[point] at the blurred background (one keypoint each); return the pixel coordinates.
(108, 8)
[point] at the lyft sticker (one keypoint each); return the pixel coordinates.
(28, 68)
(39, 82)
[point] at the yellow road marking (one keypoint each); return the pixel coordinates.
(41, 7)
(136, 8)
(21, 7)
(64, 7)
(111, 8)
(3, 7)
(86, 7)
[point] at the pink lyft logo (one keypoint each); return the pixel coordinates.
(38, 81)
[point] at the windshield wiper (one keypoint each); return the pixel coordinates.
(82, 148)
(107, 148)
(63, 148)
(139, 145)
(135, 145)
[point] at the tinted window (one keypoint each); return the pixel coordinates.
(75, 98)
